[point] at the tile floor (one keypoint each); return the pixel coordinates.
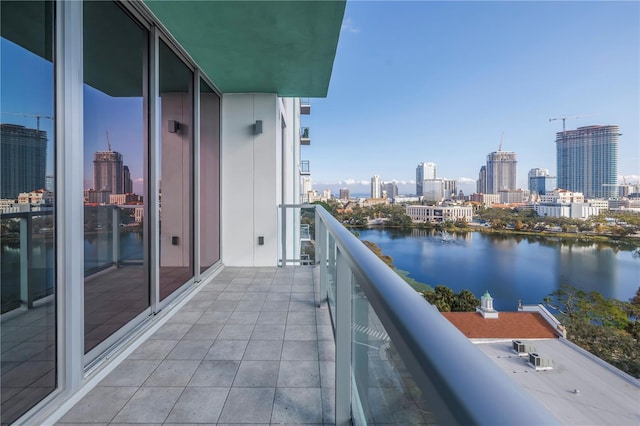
(251, 347)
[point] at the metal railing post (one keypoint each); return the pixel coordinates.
(115, 235)
(284, 236)
(321, 256)
(343, 341)
(26, 246)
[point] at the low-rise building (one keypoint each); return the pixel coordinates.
(512, 196)
(440, 213)
(562, 196)
(39, 197)
(486, 200)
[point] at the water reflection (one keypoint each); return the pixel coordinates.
(510, 267)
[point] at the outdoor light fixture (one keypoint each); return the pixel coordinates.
(174, 126)
(257, 128)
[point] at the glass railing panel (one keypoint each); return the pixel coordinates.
(98, 239)
(386, 390)
(130, 237)
(331, 274)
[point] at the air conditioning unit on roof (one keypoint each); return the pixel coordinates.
(540, 363)
(521, 348)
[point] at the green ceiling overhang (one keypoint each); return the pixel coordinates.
(283, 47)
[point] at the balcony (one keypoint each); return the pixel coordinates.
(273, 345)
(305, 106)
(304, 136)
(304, 168)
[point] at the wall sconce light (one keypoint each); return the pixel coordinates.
(174, 126)
(257, 128)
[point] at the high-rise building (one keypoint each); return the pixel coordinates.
(450, 188)
(501, 171)
(424, 171)
(481, 183)
(376, 190)
(587, 160)
(540, 182)
(344, 193)
(391, 188)
(108, 172)
(307, 185)
(126, 180)
(23, 160)
(433, 190)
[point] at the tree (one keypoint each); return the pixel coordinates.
(607, 328)
(441, 297)
(466, 302)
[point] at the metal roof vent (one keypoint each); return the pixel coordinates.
(521, 348)
(540, 363)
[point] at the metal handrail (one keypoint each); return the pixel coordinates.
(447, 367)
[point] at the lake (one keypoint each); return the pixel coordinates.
(510, 267)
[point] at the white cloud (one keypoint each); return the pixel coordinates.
(348, 26)
(139, 180)
(466, 180)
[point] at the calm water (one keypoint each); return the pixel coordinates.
(509, 267)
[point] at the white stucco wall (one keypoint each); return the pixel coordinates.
(251, 179)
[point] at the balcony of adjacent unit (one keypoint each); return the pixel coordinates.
(304, 168)
(342, 341)
(304, 136)
(305, 106)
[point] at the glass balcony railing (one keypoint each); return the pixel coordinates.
(398, 360)
(27, 258)
(304, 168)
(305, 139)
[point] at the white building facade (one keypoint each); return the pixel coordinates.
(437, 214)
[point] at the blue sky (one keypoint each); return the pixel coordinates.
(441, 81)
(426, 81)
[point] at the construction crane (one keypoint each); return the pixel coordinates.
(22, 114)
(108, 141)
(564, 129)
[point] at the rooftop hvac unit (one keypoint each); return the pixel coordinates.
(540, 363)
(522, 349)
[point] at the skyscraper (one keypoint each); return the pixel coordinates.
(424, 171)
(501, 171)
(344, 193)
(108, 172)
(587, 160)
(481, 184)
(376, 191)
(126, 180)
(391, 188)
(307, 185)
(540, 182)
(23, 155)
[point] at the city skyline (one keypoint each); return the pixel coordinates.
(500, 66)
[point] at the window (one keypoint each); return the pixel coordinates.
(116, 285)
(27, 206)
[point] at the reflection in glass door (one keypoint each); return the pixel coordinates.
(176, 172)
(27, 211)
(116, 284)
(209, 177)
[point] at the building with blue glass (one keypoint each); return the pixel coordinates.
(587, 160)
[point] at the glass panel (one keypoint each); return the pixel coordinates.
(209, 176)
(27, 207)
(176, 172)
(115, 141)
(332, 274)
(387, 393)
